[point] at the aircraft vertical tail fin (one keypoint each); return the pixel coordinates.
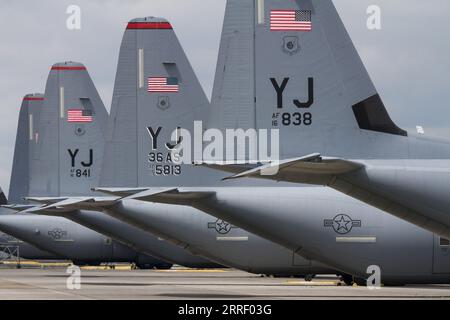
(26, 140)
(156, 92)
(71, 134)
(307, 79)
(233, 101)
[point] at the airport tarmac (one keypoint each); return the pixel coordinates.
(124, 283)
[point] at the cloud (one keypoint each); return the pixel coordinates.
(34, 36)
(408, 59)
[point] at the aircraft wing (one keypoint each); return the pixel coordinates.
(309, 169)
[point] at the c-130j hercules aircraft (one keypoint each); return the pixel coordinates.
(69, 122)
(317, 223)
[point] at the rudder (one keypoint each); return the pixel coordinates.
(27, 138)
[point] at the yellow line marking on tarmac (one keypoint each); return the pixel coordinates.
(35, 263)
(120, 267)
(104, 267)
(129, 267)
(123, 268)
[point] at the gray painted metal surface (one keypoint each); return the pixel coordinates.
(69, 162)
(26, 141)
(63, 158)
(24, 147)
(306, 217)
(138, 153)
(319, 223)
(402, 174)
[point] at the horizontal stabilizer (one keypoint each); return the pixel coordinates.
(86, 203)
(120, 192)
(44, 210)
(171, 196)
(231, 167)
(70, 204)
(301, 170)
(18, 207)
(45, 200)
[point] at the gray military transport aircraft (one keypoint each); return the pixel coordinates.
(132, 237)
(11, 247)
(30, 107)
(349, 142)
(119, 231)
(316, 222)
(63, 183)
(38, 140)
(156, 91)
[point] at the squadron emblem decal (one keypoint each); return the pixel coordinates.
(290, 45)
(342, 224)
(163, 103)
(80, 130)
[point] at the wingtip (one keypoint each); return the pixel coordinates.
(230, 178)
(198, 163)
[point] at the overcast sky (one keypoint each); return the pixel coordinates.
(408, 59)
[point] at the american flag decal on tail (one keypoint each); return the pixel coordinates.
(290, 20)
(79, 115)
(161, 84)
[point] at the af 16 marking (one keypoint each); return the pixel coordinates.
(85, 170)
(296, 118)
